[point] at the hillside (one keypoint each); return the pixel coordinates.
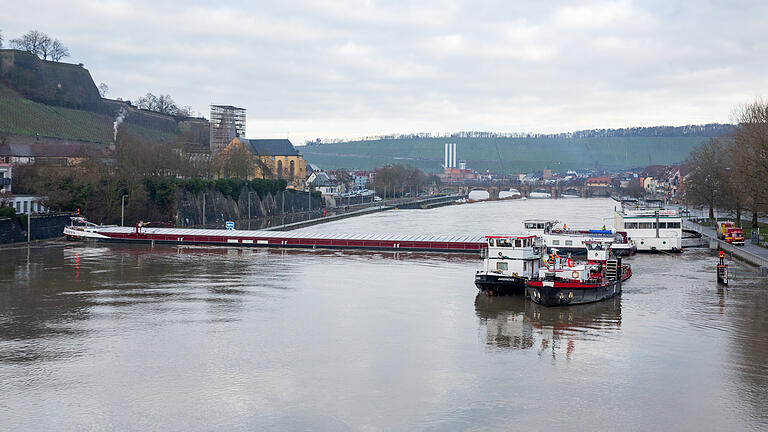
(60, 100)
(21, 116)
(517, 154)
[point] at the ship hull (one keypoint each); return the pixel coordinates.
(553, 293)
(499, 285)
(564, 293)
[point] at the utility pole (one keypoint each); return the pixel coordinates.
(122, 211)
(204, 210)
(249, 210)
(29, 224)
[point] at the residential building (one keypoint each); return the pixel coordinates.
(24, 203)
(6, 174)
(322, 182)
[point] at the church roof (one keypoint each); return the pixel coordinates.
(270, 147)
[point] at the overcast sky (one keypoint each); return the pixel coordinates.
(338, 68)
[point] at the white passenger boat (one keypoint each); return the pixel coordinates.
(511, 260)
(650, 226)
(573, 241)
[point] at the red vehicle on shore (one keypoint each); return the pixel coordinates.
(728, 231)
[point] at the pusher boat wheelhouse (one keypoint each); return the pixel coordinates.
(511, 260)
(600, 278)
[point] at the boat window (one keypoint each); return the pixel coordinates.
(530, 226)
(540, 226)
(645, 225)
(502, 266)
(555, 242)
(569, 242)
(517, 243)
(662, 224)
(503, 243)
(630, 225)
(673, 224)
(490, 242)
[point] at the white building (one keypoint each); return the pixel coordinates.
(24, 203)
(6, 173)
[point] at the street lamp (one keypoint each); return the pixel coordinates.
(249, 210)
(122, 210)
(204, 209)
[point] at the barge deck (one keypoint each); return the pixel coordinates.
(289, 239)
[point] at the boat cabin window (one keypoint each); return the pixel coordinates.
(645, 225)
(555, 242)
(502, 242)
(529, 225)
(518, 243)
(502, 266)
(673, 225)
(569, 242)
(594, 246)
(630, 225)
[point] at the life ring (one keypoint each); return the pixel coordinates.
(574, 274)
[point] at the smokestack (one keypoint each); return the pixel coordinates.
(454, 156)
(445, 164)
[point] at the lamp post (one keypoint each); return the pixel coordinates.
(204, 210)
(122, 210)
(249, 210)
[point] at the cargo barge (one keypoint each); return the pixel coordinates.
(287, 239)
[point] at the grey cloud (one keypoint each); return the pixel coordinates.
(348, 68)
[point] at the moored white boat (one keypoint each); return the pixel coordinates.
(511, 260)
(650, 226)
(569, 240)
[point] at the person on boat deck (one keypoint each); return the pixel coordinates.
(603, 227)
(565, 227)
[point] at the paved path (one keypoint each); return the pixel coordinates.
(751, 253)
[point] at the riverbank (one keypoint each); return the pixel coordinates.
(749, 253)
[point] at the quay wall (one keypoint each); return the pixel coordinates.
(14, 230)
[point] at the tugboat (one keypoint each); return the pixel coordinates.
(600, 278)
(511, 260)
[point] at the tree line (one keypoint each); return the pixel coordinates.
(729, 172)
(39, 44)
(147, 173)
(398, 180)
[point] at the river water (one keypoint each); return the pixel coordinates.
(128, 337)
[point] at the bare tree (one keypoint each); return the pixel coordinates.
(103, 89)
(235, 161)
(31, 42)
(750, 150)
(41, 45)
(58, 51)
(707, 184)
(163, 104)
(1, 39)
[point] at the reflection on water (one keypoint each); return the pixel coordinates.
(130, 337)
(515, 322)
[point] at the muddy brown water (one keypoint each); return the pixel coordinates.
(129, 337)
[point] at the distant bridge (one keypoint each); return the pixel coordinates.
(556, 190)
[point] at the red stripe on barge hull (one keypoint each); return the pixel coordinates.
(462, 244)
